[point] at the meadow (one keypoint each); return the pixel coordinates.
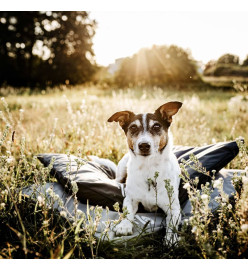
(74, 121)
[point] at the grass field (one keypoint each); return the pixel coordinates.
(75, 121)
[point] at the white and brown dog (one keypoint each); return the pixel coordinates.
(150, 151)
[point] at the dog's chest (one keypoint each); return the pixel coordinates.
(145, 181)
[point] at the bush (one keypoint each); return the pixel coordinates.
(157, 66)
(225, 70)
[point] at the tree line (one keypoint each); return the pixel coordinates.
(227, 65)
(55, 47)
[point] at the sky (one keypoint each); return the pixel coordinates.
(207, 34)
(208, 28)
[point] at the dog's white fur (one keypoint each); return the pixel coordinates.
(138, 169)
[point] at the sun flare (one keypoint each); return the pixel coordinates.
(208, 35)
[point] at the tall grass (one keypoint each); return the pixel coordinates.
(74, 121)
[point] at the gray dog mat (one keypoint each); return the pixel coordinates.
(97, 187)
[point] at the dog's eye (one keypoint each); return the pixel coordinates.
(156, 127)
(133, 128)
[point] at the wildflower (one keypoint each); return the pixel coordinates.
(63, 214)
(74, 187)
(79, 212)
(244, 227)
(229, 206)
(116, 207)
(41, 200)
(186, 186)
(10, 160)
(204, 197)
(4, 192)
(224, 200)
(186, 221)
(49, 191)
(56, 197)
(194, 229)
(45, 223)
(60, 202)
(217, 183)
(2, 206)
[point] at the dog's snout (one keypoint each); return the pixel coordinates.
(144, 147)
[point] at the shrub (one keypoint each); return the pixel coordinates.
(158, 66)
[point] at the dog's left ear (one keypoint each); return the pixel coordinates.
(169, 109)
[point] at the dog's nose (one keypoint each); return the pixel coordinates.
(144, 147)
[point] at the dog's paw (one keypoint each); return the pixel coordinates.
(124, 228)
(171, 239)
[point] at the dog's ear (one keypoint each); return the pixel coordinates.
(169, 109)
(122, 117)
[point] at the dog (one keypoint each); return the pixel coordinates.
(150, 152)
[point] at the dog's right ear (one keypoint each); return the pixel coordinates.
(122, 117)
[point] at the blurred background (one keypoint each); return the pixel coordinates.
(122, 49)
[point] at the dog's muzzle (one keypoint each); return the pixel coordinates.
(144, 148)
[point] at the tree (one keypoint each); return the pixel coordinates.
(158, 65)
(245, 62)
(228, 59)
(46, 47)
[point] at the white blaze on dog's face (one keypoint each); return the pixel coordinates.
(147, 133)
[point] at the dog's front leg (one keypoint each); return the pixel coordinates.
(121, 172)
(125, 227)
(173, 218)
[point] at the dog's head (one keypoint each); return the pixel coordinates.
(147, 133)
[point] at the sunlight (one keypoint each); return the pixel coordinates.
(141, 66)
(208, 35)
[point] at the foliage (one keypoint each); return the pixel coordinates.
(226, 65)
(228, 59)
(245, 62)
(157, 66)
(46, 48)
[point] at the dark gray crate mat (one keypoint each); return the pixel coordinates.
(99, 178)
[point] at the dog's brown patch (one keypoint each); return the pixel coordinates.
(130, 142)
(163, 142)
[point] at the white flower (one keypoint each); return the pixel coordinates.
(204, 197)
(186, 221)
(63, 214)
(61, 203)
(194, 229)
(10, 160)
(74, 187)
(2, 205)
(244, 227)
(186, 186)
(45, 223)
(217, 183)
(41, 200)
(229, 206)
(79, 212)
(56, 197)
(49, 191)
